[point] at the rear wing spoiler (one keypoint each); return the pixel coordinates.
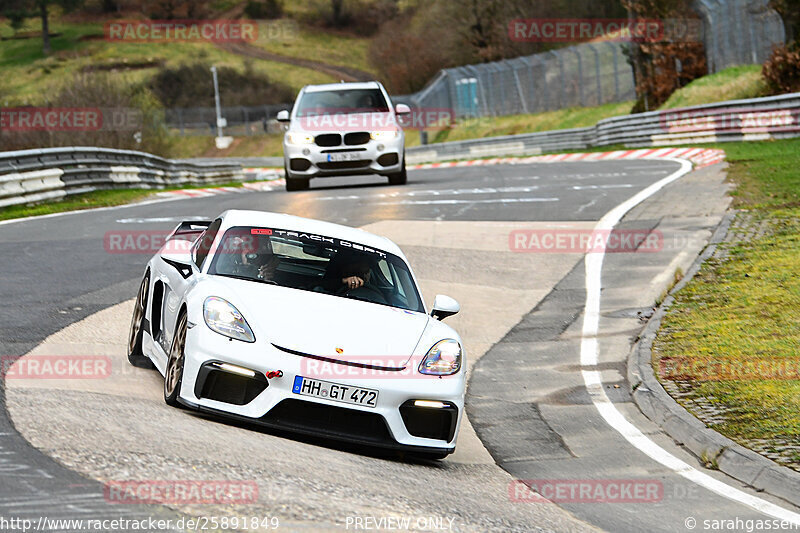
(189, 228)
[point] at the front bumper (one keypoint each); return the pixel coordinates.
(276, 405)
(375, 157)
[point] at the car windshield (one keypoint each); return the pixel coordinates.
(345, 101)
(316, 263)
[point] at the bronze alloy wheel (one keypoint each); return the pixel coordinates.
(174, 372)
(135, 354)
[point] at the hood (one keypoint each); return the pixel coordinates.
(317, 324)
(344, 123)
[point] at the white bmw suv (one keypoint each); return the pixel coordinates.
(343, 129)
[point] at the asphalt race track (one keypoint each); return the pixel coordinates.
(530, 415)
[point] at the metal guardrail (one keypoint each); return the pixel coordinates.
(35, 175)
(756, 119)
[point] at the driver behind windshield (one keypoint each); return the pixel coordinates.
(251, 256)
(356, 274)
(346, 273)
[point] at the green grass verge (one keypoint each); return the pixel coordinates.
(87, 200)
(733, 332)
(91, 200)
(574, 117)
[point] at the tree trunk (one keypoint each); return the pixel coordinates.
(45, 27)
(337, 11)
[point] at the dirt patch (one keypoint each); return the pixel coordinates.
(337, 71)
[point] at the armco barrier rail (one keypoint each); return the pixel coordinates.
(36, 175)
(756, 119)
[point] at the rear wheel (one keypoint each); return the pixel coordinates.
(173, 376)
(399, 178)
(136, 356)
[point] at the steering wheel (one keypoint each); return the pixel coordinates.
(364, 292)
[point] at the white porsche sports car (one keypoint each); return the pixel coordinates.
(301, 325)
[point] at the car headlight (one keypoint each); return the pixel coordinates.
(443, 359)
(221, 316)
(384, 135)
(299, 138)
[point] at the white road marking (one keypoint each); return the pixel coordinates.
(594, 380)
(433, 192)
(609, 186)
(456, 202)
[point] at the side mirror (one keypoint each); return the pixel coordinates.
(402, 109)
(283, 116)
(444, 306)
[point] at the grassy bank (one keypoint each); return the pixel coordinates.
(81, 47)
(574, 117)
(733, 83)
(729, 349)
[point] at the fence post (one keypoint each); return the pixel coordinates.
(519, 88)
(615, 53)
(574, 50)
(532, 91)
(479, 83)
(597, 73)
(545, 83)
(561, 75)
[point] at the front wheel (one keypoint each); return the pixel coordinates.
(136, 356)
(173, 376)
(433, 456)
(296, 184)
(399, 178)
